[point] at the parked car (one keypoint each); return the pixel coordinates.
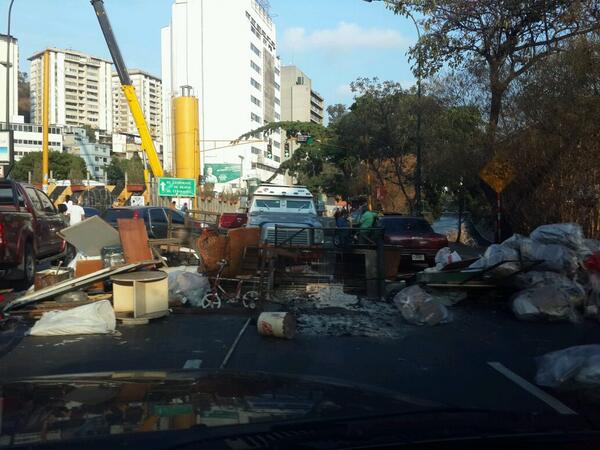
(29, 224)
(229, 221)
(286, 214)
(156, 218)
(413, 236)
(91, 212)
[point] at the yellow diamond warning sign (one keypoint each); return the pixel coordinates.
(498, 174)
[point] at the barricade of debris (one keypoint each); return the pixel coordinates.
(124, 270)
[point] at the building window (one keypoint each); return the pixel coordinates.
(276, 158)
(255, 66)
(277, 116)
(254, 100)
(255, 83)
(255, 49)
(300, 81)
(277, 87)
(277, 70)
(254, 117)
(277, 101)
(276, 144)
(255, 151)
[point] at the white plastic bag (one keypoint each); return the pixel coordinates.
(95, 318)
(571, 367)
(445, 256)
(187, 287)
(419, 308)
(554, 257)
(546, 303)
(575, 291)
(496, 254)
(568, 234)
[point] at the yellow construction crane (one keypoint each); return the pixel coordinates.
(128, 89)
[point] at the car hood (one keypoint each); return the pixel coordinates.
(263, 218)
(95, 405)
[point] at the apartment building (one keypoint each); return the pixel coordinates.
(227, 53)
(299, 101)
(95, 154)
(149, 92)
(80, 89)
(28, 138)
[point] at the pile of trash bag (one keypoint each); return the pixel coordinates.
(558, 286)
(571, 368)
(418, 307)
(187, 287)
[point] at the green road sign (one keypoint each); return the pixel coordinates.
(176, 187)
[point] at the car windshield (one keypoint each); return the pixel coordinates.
(342, 208)
(405, 226)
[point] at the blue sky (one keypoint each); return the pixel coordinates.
(333, 41)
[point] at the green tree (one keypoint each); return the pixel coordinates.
(115, 172)
(135, 170)
(59, 163)
(506, 36)
(335, 113)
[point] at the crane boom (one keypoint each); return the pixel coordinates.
(128, 89)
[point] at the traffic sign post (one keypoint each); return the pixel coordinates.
(176, 187)
(498, 174)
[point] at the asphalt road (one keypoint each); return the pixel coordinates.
(448, 363)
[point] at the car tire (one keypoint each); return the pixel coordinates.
(29, 264)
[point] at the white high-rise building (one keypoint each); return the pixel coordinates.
(13, 48)
(80, 89)
(149, 92)
(226, 51)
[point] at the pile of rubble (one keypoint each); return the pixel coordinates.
(114, 276)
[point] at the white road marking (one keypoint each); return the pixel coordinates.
(554, 403)
(192, 364)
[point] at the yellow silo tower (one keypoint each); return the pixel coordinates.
(186, 134)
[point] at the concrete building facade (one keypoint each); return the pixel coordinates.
(95, 154)
(149, 92)
(80, 89)
(299, 101)
(13, 49)
(28, 138)
(227, 53)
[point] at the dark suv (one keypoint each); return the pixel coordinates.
(156, 218)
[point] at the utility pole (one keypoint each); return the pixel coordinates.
(8, 65)
(45, 120)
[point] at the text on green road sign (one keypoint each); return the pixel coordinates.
(176, 187)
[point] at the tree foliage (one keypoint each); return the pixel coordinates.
(60, 164)
(507, 36)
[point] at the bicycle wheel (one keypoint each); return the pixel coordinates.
(211, 300)
(249, 299)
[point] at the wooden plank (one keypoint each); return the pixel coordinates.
(134, 240)
(73, 284)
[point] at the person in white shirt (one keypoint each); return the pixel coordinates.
(76, 213)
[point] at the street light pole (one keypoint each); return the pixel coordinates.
(419, 161)
(8, 40)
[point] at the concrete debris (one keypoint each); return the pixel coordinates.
(571, 368)
(330, 296)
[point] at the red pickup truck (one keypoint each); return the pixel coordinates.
(29, 223)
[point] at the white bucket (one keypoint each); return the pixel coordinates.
(277, 324)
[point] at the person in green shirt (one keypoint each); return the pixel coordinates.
(367, 220)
